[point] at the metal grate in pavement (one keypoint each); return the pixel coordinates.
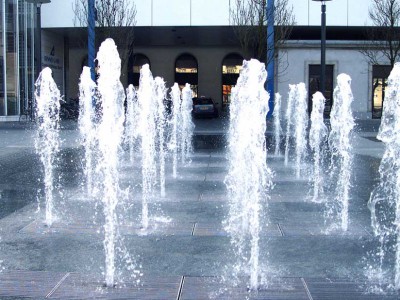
(195, 288)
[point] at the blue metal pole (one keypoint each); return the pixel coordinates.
(91, 37)
(270, 54)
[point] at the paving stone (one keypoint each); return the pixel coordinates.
(337, 288)
(32, 284)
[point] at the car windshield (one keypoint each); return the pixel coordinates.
(202, 101)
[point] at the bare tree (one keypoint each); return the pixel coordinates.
(115, 19)
(384, 38)
(250, 18)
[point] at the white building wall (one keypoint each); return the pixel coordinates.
(59, 13)
(345, 60)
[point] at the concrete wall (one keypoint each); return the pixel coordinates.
(162, 61)
(346, 59)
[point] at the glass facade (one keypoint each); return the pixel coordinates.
(16, 56)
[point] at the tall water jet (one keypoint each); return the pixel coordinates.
(317, 138)
(86, 121)
(342, 124)
(289, 120)
(187, 125)
(384, 201)
(148, 134)
(110, 132)
(277, 123)
(300, 124)
(132, 119)
(47, 138)
(160, 94)
(173, 145)
(249, 178)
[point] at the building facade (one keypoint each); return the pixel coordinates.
(190, 41)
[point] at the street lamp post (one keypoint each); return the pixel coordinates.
(323, 43)
(91, 37)
(270, 54)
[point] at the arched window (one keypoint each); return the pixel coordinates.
(186, 72)
(135, 63)
(231, 65)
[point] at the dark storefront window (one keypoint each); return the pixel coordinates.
(314, 82)
(231, 66)
(380, 76)
(186, 71)
(136, 62)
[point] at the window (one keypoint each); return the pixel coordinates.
(231, 65)
(314, 82)
(186, 72)
(380, 76)
(136, 62)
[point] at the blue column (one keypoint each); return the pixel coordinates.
(270, 54)
(91, 37)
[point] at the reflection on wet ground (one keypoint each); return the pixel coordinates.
(186, 252)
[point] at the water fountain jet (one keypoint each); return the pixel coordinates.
(317, 137)
(384, 202)
(342, 124)
(173, 145)
(147, 132)
(277, 123)
(289, 120)
(109, 132)
(300, 123)
(187, 125)
(160, 94)
(47, 138)
(87, 127)
(249, 178)
(132, 117)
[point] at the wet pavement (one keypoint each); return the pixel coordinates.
(186, 253)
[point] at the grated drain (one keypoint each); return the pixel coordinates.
(280, 229)
(57, 285)
(181, 287)
(194, 228)
(306, 288)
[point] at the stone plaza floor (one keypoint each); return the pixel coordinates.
(185, 254)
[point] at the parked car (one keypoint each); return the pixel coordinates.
(205, 107)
